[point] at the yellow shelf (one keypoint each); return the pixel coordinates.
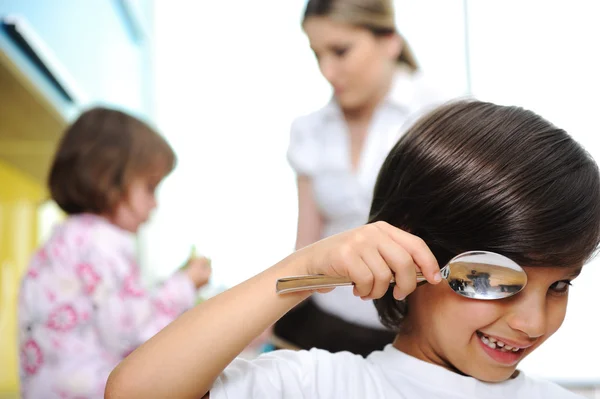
(20, 197)
(30, 128)
(30, 125)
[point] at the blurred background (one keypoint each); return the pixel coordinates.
(222, 80)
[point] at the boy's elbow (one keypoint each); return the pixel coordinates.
(112, 391)
(117, 387)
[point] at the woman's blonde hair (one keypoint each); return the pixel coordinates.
(375, 15)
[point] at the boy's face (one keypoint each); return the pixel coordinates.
(486, 339)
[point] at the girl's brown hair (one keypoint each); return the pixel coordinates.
(99, 156)
(375, 15)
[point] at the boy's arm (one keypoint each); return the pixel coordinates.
(194, 350)
(185, 358)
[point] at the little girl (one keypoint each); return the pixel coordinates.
(469, 176)
(82, 307)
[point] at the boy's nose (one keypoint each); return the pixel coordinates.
(528, 314)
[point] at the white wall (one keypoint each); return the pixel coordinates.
(435, 30)
(229, 80)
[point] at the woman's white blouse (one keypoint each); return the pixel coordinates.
(319, 149)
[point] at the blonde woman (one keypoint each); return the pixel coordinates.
(337, 152)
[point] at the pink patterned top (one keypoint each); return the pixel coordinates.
(82, 309)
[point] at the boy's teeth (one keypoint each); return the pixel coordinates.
(497, 344)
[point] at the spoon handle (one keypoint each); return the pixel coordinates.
(318, 281)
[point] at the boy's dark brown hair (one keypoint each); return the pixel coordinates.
(99, 156)
(478, 176)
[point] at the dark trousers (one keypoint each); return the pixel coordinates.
(307, 326)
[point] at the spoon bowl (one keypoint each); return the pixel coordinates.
(474, 274)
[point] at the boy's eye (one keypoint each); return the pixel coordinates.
(561, 287)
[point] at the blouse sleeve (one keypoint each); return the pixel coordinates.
(128, 314)
(302, 151)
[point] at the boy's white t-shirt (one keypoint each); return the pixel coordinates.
(387, 374)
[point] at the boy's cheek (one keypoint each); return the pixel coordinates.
(555, 316)
(481, 313)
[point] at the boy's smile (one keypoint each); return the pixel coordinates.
(485, 339)
(503, 350)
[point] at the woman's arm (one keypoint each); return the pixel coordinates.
(310, 220)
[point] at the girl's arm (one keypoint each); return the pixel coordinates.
(184, 359)
(310, 220)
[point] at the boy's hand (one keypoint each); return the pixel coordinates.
(370, 256)
(198, 269)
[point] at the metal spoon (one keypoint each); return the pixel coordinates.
(474, 274)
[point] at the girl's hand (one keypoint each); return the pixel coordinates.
(198, 269)
(370, 256)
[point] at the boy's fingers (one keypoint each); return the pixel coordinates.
(402, 264)
(381, 272)
(417, 249)
(361, 276)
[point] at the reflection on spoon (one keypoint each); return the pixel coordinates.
(474, 274)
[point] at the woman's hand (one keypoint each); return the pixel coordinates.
(370, 256)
